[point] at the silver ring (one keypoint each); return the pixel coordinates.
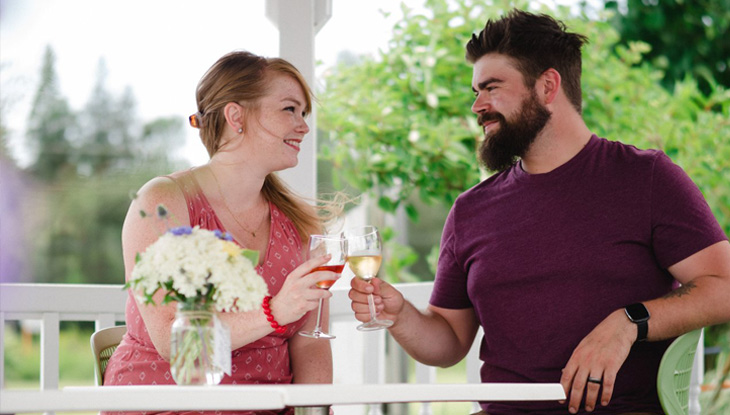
(594, 380)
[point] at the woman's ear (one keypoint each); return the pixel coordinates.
(235, 115)
(549, 85)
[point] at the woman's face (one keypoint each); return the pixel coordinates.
(279, 125)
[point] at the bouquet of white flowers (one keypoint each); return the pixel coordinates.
(199, 267)
(203, 271)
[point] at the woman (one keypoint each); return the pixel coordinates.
(251, 115)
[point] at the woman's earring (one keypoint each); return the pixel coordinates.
(240, 130)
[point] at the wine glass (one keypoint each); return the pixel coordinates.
(321, 245)
(364, 257)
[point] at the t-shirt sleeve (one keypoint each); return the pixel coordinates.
(682, 222)
(449, 288)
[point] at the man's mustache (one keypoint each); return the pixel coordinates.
(490, 116)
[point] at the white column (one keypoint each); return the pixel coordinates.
(298, 22)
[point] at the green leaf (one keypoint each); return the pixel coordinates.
(251, 255)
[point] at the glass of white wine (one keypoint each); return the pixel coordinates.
(364, 255)
(321, 245)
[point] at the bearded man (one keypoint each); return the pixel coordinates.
(568, 255)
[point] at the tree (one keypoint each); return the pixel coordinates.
(105, 158)
(49, 123)
(105, 136)
(687, 38)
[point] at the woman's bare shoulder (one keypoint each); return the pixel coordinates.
(160, 194)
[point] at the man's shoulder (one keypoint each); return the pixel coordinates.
(495, 182)
(619, 150)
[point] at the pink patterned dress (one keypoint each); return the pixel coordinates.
(136, 361)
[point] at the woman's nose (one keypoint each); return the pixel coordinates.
(303, 127)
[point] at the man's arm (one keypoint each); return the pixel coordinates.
(701, 301)
(436, 336)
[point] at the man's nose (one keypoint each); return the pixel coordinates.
(481, 104)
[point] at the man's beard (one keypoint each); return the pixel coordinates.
(501, 149)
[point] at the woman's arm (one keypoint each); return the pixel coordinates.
(311, 359)
(141, 230)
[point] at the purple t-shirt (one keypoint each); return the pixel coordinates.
(544, 258)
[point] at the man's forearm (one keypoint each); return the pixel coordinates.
(702, 302)
(428, 337)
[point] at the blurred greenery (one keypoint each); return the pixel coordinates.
(687, 38)
(74, 195)
(22, 355)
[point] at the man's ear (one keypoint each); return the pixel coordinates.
(235, 115)
(549, 85)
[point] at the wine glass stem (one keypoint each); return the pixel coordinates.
(371, 304)
(318, 327)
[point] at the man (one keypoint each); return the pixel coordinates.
(565, 252)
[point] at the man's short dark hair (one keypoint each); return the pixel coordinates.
(536, 43)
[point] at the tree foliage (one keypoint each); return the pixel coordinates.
(687, 37)
(105, 137)
(49, 124)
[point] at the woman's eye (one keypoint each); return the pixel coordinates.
(291, 109)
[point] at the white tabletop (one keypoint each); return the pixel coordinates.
(238, 397)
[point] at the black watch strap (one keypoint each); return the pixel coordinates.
(642, 330)
(639, 315)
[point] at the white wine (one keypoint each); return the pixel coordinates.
(365, 266)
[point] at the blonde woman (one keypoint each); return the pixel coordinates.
(252, 119)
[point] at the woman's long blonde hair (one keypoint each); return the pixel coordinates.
(243, 77)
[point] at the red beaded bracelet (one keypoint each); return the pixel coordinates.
(270, 317)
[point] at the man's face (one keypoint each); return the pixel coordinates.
(509, 113)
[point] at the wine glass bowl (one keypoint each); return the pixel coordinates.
(364, 256)
(336, 247)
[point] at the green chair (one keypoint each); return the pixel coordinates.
(103, 344)
(675, 372)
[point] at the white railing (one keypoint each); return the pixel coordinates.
(359, 358)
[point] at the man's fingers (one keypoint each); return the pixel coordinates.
(576, 391)
(609, 381)
(566, 380)
(362, 286)
(593, 386)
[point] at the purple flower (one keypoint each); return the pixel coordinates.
(181, 230)
(223, 235)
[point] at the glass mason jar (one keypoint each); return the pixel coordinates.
(199, 343)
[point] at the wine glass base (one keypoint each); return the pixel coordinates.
(316, 335)
(375, 325)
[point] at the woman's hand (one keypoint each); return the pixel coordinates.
(299, 294)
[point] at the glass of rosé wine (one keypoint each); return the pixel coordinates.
(336, 247)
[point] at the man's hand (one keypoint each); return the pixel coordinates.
(388, 300)
(599, 356)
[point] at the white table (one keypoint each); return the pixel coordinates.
(239, 397)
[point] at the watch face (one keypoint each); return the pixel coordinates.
(637, 312)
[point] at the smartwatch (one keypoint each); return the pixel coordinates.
(639, 315)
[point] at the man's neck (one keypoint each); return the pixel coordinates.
(555, 146)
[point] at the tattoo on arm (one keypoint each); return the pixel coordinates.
(681, 291)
